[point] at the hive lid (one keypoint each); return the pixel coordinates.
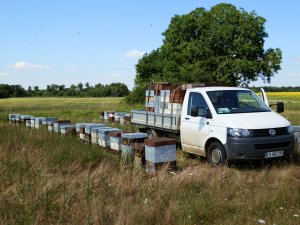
(92, 125)
(109, 130)
(134, 135)
(156, 142)
(67, 126)
(26, 116)
(63, 121)
(96, 129)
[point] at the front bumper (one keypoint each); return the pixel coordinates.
(256, 147)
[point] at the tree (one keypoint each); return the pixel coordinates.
(87, 85)
(79, 87)
(5, 91)
(223, 45)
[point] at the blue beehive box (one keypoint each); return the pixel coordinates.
(160, 150)
(57, 125)
(50, 125)
(94, 134)
(68, 129)
(104, 138)
(128, 140)
(45, 120)
(38, 122)
(14, 117)
(118, 115)
(88, 127)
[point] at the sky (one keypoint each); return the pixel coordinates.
(96, 41)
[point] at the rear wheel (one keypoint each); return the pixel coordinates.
(152, 134)
(216, 154)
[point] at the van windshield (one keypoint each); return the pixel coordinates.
(236, 101)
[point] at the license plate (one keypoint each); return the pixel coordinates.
(274, 154)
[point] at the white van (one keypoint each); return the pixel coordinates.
(225, 123)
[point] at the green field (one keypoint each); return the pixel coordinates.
(50, 179)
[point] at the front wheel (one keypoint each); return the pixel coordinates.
(216, 154)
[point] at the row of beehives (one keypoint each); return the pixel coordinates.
(122, 117)
(133, 148)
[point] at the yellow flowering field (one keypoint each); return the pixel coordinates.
(286, 96)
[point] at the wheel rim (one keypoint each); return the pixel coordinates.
(216, 155)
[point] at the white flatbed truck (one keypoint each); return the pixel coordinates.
(224, 123)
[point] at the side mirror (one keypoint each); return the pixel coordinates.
(280, 107)
(194, 111)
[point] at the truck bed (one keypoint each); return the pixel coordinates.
(161, 121)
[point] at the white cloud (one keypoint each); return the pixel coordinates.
(27, 66)
(295, 74)
(134, 54)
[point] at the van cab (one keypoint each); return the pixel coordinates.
(228, 123)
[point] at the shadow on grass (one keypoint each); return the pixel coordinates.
(266, 163)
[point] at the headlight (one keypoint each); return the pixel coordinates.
(236, 132)
(290, 129)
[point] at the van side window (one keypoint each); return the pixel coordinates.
(196, 99)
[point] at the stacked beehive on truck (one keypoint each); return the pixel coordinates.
(164, 97)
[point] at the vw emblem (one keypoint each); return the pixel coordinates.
(272, 132)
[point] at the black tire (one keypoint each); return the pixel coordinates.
(216, 155)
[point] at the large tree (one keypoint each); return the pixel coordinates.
(223, 44)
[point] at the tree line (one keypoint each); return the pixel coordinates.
(79, 90)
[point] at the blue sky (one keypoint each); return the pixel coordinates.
(95, 41)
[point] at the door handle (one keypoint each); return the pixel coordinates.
(186, 118)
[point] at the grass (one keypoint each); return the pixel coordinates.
(52, 179)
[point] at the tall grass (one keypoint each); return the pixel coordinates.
(53, 179)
